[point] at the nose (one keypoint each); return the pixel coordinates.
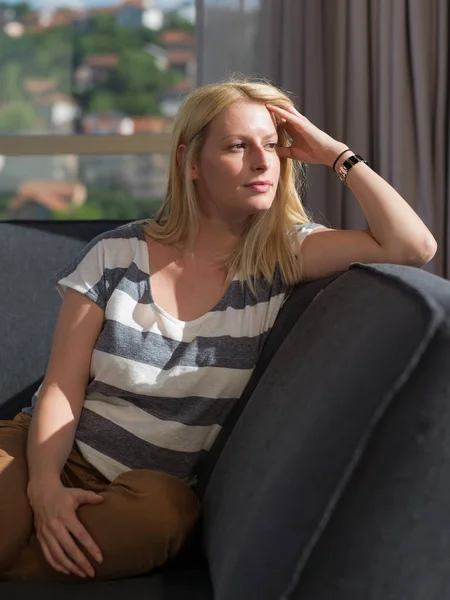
(260, 159)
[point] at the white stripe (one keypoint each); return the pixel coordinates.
(120, 254)
(165, 434)
(107, 466)
(248, 322)
(106, 254)
(179, 382)
(306, 230)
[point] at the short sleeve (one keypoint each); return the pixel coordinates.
(304, 230)
(86, 274)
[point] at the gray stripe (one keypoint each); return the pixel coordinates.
(130, 280)
(127, 449)
(190, 410)
(158, 351)
(239, 295)
(101, 292)
(134, 282)
(128, 231)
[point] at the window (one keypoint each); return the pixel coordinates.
(88, 96)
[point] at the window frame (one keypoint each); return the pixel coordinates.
(84, 144)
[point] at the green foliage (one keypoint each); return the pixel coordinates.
(17, 117)
(5, 201)
(137, 104)
(10, 89)
(134, 87)
(102, 203)
(172, 20)
(102, 102)
(21, 8)
(85, 212)
(105, 36)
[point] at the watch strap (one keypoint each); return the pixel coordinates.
(348, 163)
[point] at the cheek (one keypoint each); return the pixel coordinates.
(220, 170)
(277, 168)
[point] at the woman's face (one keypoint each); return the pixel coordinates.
(239, 168)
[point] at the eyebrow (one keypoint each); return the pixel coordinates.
(246, 137)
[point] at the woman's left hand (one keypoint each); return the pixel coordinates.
(309, 143)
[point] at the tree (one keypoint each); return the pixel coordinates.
(10, 89)
(137, 72)
(17, 118)
(102, 102)
(20, 8)
(172, 20)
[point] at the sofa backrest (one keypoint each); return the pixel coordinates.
(30, 253)
(285, 479)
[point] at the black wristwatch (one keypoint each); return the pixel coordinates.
(348, 164)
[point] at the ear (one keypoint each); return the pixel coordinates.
(181, 152)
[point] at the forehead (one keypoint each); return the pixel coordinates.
(244, 118)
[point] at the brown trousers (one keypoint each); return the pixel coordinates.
(144, 519)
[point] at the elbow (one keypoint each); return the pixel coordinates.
(421, 253)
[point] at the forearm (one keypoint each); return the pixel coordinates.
(51, 436)
(396, 227)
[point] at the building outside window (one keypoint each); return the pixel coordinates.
(89, 90)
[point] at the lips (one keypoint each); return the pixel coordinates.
(260, 186)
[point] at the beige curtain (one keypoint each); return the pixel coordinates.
(227, 31)
(372, 73)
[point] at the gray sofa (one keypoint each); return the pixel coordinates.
(334, 483)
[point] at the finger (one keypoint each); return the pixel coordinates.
(73, 552)
(287, 111)
(60, 558)
(49, 558)
(85, 497)
(80, 533)
(284, 152)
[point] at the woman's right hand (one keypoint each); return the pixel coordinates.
(57, 527)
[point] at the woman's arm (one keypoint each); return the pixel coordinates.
(393, 224)
(396, 233)
(61, 397)
(52, 431)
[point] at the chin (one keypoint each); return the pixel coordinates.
(258, 204)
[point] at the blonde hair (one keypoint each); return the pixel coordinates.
(268, 236)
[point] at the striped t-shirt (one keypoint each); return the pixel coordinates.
(160, 389)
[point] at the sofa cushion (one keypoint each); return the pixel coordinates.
(31, 253)
(303, 431)
(389, 536)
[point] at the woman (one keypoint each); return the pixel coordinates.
(161, 324)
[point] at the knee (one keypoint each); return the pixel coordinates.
(164, 510)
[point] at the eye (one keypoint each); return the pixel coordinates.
(272, 145)
(239, 146)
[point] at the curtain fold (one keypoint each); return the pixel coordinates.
(374, 74)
